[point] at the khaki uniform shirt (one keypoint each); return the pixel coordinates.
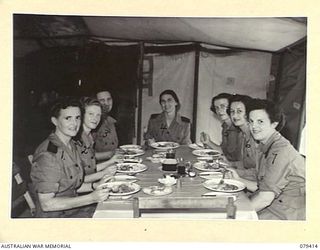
(231, 142)
(178, 131)
(282, 171)
(105, 137)
(56, 169)
(85, 147)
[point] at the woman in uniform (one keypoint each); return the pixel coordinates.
(57, 171)
(237, 110)
(280, 193)
(231, 135)
(168, 125)
(91, 109)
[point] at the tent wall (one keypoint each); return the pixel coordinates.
(174, 72)
(241, 73)
(290, 92)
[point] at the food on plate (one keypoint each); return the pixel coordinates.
(168, 180)
(166, 144)
(207, 165)
(225, 187)
(126, 167)
(120, 188)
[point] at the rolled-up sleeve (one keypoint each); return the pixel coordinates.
(46, 173)
(276, 171)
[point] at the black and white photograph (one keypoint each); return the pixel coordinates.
(159, 117)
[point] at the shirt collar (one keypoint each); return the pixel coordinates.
(265, 147)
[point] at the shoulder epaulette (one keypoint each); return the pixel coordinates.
(185, 119)
(153, 116)
(52, 148)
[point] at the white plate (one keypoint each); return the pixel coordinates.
(211, 175)
(206, 152)
(214, 185)
(210, 167)
(195, 146)
(130, 147)
(131, 168)
(124, 177)
(157, 190)
(131, 152)
(123, 187)
(164, 145)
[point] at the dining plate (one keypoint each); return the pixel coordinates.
(206, 152)
(133, 152)
(228, 185)
(211, 175)
(206, 166)
(118, 188)
(164, 145)
(157, 190)
(131, 168)
(130, 147)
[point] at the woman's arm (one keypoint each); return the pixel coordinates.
(252, 186)
(206, 140)
(100, 156)
(49, 202)
(262, 200)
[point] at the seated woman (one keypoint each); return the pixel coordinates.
(168, 125)
(57, 171)
(91, 109)
(248, 149)
(280, 192)
(231, 135)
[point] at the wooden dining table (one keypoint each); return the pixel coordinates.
(189, 188)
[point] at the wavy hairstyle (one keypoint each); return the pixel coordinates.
(273, 110)
(173, 94)
(217, 97)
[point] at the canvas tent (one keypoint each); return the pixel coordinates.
(138, 57)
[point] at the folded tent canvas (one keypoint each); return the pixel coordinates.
(198, 57)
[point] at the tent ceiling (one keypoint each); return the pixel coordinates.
(268, 34)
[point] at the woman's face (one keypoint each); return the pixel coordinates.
(221, 106)
(168, 103)
(91, 117)
(68, 122)
(238, 114)
(260, 125)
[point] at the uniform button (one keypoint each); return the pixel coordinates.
(70, 176)
(80, 180)
(92, 157)
(89, 166)
(167, 132)
(112, 143)
(280, 200)
(77, 165)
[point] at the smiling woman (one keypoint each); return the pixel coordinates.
(57, 171)
(168, 125)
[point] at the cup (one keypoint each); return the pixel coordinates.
(171, 154)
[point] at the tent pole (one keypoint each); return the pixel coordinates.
(140, 87)
(195, 93)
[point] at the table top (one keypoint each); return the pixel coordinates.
(191, 187)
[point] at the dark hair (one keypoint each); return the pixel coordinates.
(173, 94)
(63, 103)
(217, 97)
(273, 110)
(245, 99)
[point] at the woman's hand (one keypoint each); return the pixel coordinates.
(104, 179)
(150, 141)
(100, 195)
(204, 138)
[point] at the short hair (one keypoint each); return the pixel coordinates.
(217, 97)
(274, 111)
(173, 94)
(245, 99)
(63, 103)
(89, 101)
